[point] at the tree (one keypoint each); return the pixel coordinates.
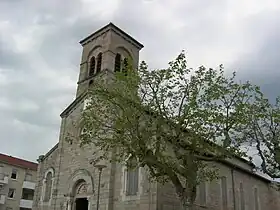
(263, 133)
(173, 121)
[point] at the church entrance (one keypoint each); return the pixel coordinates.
(81, 204)
(81, 196)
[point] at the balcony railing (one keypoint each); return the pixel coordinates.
(26, 204)
(4, 179)
(2, 199)
(28, 185)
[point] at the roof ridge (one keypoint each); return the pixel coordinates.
(17, 158)
(16, 161)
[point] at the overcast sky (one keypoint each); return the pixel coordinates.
(40, 54)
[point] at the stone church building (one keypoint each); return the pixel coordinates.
(68, 181)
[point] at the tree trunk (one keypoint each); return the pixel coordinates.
(186, 204)
(187, 200)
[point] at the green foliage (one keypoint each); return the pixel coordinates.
(263, 132)
(170, 120)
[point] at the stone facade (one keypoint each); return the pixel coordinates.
(73, 177)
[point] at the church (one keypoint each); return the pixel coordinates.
(66, 179)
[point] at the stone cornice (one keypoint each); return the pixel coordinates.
(43, 157)
(239, 168)
(72, 105)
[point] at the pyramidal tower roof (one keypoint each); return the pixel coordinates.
(114, 28)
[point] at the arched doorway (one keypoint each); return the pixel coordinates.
(80, 190)
(81, 196)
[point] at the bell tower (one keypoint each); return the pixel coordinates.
(103, 51)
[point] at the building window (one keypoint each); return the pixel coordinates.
(14, 174)
(92, 66)
(224, 193)
(118, 62)
(132, 181)
(28, 177)
(242, 198)
(1, 172)
(48, 186)
(27, 194)
(202, 193)
(256, 198)
(11, 193)
(99, 62)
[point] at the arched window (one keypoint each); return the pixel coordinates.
(125, 66)
(132, 179)
(48, 186)
(92, 66)
(46, 194)
(99, 62)
(118, 62)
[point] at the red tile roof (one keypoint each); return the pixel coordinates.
(18, 162)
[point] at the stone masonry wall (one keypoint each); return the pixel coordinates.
(50, 161)
(76, 160)
(268, 197)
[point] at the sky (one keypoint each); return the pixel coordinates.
(40, 53)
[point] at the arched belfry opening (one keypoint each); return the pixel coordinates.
(122, 59)
(117, 62)
(99, 62)
(92, 66)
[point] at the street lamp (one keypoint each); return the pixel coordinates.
(100, 168)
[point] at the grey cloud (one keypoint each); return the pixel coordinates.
(67, 49)
(201, 26)
(10, 58)
(42, 80)
(25, 131)
(262, 64)
(23, 140)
